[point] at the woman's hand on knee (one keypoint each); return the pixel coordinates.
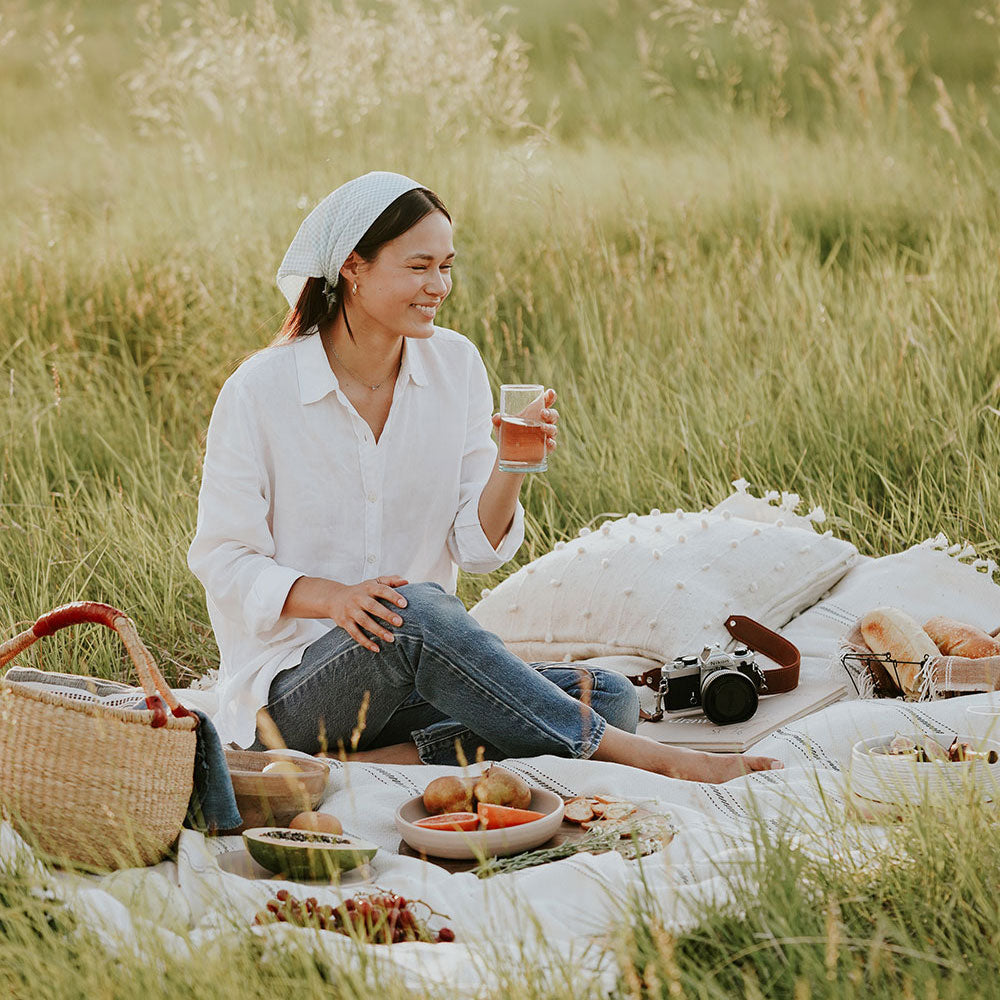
(356, 607)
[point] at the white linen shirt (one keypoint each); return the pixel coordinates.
(294, 484)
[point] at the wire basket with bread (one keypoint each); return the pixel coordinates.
(889, 654)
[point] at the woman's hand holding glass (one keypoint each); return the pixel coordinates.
(541, 410)
(355, 607)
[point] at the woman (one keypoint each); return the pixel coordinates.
(349, 473)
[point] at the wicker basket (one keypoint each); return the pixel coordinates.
(90, 785)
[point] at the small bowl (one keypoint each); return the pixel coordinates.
(472, 844)
(900, 780)
(273, 799)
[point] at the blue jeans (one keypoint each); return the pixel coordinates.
(444, 682)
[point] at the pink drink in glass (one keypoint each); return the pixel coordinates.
(522, 431)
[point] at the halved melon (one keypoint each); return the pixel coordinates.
(302, 854)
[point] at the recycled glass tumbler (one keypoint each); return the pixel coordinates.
(522, 430)
(983, 721)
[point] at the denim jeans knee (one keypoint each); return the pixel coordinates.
(620, 706)
(430, 606)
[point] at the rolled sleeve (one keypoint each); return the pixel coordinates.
(267, 596)
(476, 554)
(469, 546)
(232, 553)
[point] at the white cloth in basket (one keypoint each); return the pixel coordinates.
(926, 580)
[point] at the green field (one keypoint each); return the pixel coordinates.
(757, 241)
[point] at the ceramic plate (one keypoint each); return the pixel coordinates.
(459, 844)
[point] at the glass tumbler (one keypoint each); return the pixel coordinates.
(983, 721)
(522, 430)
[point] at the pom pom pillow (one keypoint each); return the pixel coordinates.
(660, 585)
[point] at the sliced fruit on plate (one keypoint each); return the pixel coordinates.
(449, 821)
(498, 817)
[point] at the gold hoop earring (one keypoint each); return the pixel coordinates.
(354, 290)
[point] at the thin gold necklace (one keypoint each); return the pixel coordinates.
(350, 371)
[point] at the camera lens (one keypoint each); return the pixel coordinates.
(727, 696)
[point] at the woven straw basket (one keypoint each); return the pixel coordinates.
(87, 784)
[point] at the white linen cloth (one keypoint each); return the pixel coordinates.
(335, 226)
(294, 484)
(556, 920)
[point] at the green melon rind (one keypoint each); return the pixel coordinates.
(305, 861)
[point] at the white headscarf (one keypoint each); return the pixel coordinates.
(334, 227)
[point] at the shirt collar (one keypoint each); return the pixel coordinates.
(413, 362)
(316, 378)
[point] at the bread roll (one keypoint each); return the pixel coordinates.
(893, 631)
(955, 638)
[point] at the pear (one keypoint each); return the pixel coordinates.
(316, 822)
(281, 767)
(449, 794)
(503, 788)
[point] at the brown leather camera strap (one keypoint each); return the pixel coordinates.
(784, 677)
(779, 680)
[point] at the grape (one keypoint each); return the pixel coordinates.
(379, 918)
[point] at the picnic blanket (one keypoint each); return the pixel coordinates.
(558, 918)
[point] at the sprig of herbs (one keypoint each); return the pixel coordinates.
(594, 842)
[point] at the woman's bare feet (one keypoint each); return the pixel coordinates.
(677, 762)
(621, 748)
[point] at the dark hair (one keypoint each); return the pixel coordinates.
(312, 306)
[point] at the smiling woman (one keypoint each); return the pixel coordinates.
(320, 302)
(355, 456)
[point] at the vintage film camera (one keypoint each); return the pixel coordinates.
(725, 686)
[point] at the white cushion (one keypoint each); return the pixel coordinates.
(751, 508)
(925, 581)
(660, 585)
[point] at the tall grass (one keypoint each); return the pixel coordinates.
(747, 239)
(838, 924)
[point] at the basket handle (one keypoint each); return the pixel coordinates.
(103, 614)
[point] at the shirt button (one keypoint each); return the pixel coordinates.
(371, 559)
(372, 496)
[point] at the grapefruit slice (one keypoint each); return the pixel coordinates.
(449, 821)
(497, 817)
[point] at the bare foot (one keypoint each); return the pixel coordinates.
(677, 762)
(714, 768)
